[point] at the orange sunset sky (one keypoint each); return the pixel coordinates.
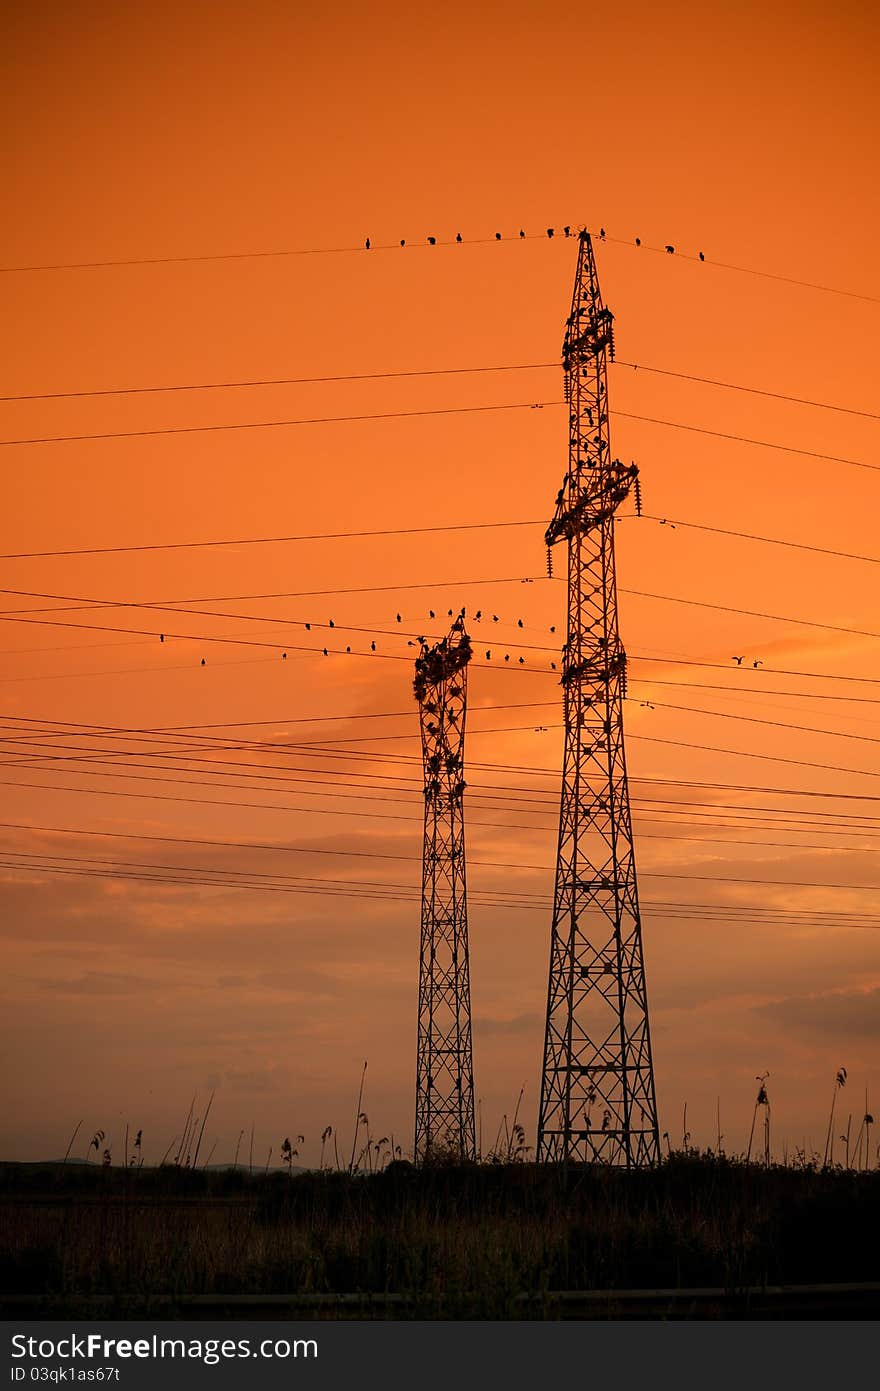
(748, 132)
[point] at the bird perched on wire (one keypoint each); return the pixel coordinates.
(372, 647)
(161, 637)
(738, 660)
(284, 656)
(601, 233)
(308, 627)
(758, 663)
(431, 613)
(522, 661)
(494, 618)
(488, 654)
(432, 241)
(458, 236)
(521, 232)
(670, 250)
(332, 624)
(325, 652)
(203, 662)
(519, 623)
(702, 257)
(497, 236)
(402, 242)
(638, 241)
(549, 231)
(567, 231)
(399, 619)
(367, 243)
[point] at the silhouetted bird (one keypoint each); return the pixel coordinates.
(367, 243)
(203, 661)
(497, 236)
(507, 656)
(399, 619)
(522, 661)
(552, 666)
(519, 623)
(348, 649)
(479, 614)
(332, 624)
(758, 663)
(325, 652)
(432, 241)
(308, 627)
(549, 231)
(494, 618)
(449, 613)
(284, 656)
(161, 637)
(458, 236)
(601, 233)
(567, 231)
(738, 660)
(372, 647)
(521, 232)
(402, 242)
(670, 250)
(488, 655)
(638, 241)
(702, 257)
(553, 628)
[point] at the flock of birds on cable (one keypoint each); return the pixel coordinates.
(551, 232)
(477, 617)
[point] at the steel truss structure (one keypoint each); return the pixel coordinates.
(444, 1068)
(597, 1090)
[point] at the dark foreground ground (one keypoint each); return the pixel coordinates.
(698, 1237)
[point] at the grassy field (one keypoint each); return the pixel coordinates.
(452, 1242)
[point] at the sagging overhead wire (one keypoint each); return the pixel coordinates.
(369, 246)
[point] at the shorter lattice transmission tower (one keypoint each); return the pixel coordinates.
(444, 1068)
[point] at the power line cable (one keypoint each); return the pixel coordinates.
(511, 896)
(484, 864)
(634, 243)
(766, 540)
(277, 424)
(279, 381)
(735, 386)
(237, 541)
(435, 411)
(258, 382)
(272, 540)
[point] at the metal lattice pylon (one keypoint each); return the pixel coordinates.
(597, 1088)
(444, 1069)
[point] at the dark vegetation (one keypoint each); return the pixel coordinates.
(454, 1241)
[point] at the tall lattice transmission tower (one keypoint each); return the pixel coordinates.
(597, 1088)
(444, 1068)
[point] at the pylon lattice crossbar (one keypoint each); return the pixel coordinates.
(444, 1069)
(597, 1091)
